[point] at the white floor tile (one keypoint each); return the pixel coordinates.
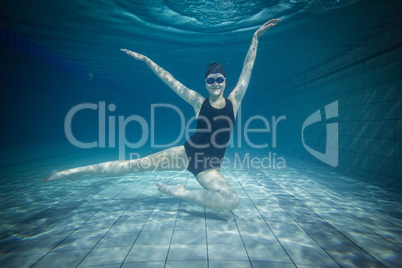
(283, 219)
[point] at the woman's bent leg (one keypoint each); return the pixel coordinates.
(217, 194)
(174, 158)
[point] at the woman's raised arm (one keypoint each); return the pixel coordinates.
(239, 91)
(190, 96)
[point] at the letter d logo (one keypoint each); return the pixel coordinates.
(330, 156)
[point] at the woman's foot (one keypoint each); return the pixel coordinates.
(176, 191)
(54, 176)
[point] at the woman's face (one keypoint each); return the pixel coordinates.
(213, 86)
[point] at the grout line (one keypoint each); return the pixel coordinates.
(340, 211)
(264, 220)
(156, 203)
(70, 233)
(174, 227)
(318, 216)
(206, 234)
(114, 222)
(238, 229)
(263, 188)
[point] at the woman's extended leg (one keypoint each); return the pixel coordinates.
(217, 194)
(174, 158)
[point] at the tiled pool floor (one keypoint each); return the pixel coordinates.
(294, 217)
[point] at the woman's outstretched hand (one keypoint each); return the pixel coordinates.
(135, 55)
(266, 26)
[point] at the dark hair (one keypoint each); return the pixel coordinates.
(215, 68)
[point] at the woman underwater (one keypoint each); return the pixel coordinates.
(203, 152)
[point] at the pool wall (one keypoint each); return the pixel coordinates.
(366, 83)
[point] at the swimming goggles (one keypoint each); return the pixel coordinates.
(219, 80)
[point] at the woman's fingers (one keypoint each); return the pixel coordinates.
(267, 25)
(135, 55)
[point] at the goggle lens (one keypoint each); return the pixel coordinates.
(219, 80)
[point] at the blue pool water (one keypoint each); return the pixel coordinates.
(315, 154)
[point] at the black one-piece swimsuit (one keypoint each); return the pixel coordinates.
(206, 148)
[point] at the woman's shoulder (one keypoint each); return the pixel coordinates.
(198, 104)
